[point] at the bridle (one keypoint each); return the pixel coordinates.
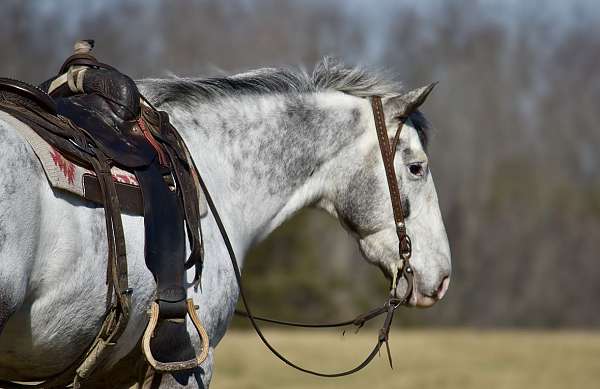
(404, 250)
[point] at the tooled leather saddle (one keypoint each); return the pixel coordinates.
(96, 117)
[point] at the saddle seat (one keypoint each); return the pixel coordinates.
(129, 151)
(106, 103)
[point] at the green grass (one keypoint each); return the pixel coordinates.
(423, 359)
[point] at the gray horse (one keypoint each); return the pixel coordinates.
(268, 143)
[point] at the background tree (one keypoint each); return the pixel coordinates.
(514, 154)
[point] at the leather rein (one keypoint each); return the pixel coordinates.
(404, 250)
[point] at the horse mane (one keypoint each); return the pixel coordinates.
(329, 74)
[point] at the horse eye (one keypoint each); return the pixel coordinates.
(417, 169)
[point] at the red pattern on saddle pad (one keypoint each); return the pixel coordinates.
(66, 167)
(125, 179)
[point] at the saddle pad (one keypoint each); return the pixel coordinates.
(66, 175)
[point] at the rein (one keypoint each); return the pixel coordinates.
(404, 249)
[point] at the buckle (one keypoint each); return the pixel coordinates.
(405, 247)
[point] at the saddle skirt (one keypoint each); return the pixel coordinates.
(67, 175)
(72, 177)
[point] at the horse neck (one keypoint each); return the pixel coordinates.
(265, 157)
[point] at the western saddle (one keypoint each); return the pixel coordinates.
(96, 117)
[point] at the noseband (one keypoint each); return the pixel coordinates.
(404, 252)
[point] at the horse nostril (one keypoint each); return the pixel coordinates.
(443, 288)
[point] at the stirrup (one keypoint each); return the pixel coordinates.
(174, 366)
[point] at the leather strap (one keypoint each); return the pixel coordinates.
(164, 241)
(186, 176)
(389, 308)
(130, 196)
(38, 95)
(387, 154)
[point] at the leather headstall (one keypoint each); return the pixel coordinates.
(404, 251)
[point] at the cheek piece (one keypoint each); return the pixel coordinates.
(387, 154)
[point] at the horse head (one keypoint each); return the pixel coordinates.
(361, 199)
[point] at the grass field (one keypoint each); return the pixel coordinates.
(433, 359)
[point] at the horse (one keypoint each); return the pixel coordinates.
(268, 143)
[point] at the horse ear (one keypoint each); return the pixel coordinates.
(402, 106)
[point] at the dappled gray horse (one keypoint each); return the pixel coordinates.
(267, 143)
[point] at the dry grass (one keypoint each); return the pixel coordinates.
(423, 359)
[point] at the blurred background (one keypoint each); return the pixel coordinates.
(515, 151)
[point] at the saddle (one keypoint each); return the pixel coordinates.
(96, 117)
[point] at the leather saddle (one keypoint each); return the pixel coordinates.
(96, 116)
(125, 150)
(106, 105)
